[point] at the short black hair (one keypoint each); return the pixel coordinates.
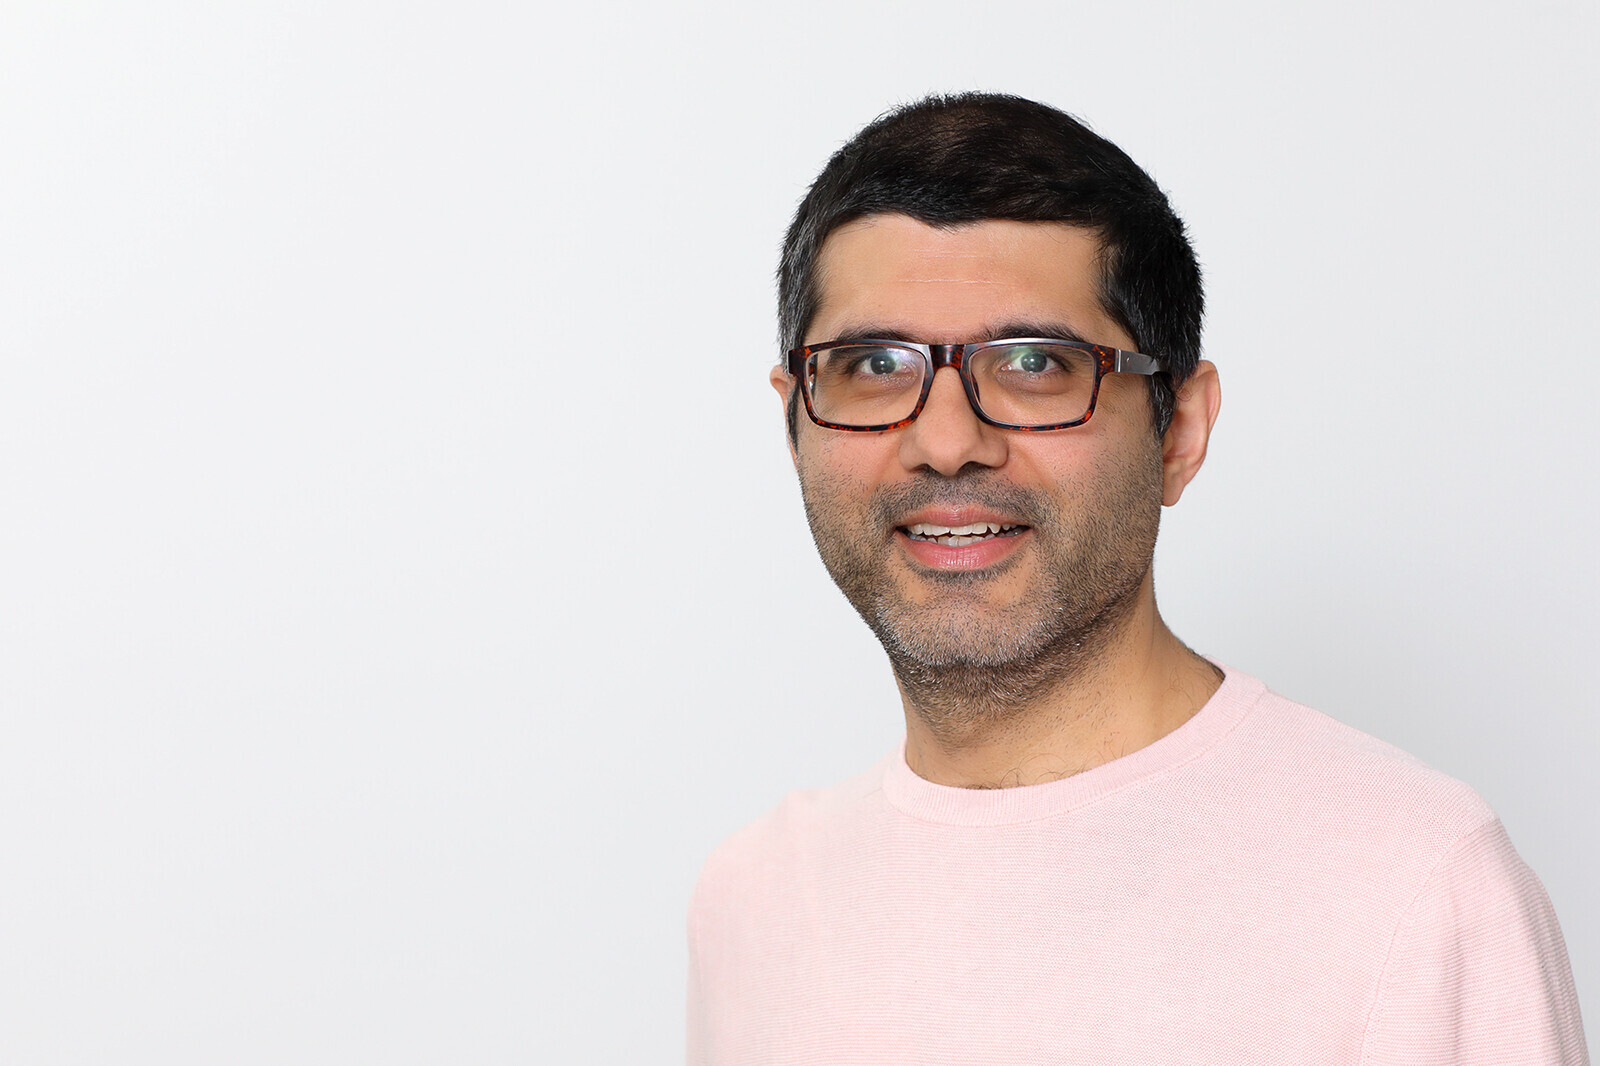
(951, 160)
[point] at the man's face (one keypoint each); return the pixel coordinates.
(1076, 509)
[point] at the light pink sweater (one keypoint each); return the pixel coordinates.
(1261, 885)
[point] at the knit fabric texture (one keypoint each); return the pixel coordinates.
(1261, 885)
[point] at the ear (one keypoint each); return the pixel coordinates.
(783, 383)
(1183, 449)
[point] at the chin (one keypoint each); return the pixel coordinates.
(959, 637)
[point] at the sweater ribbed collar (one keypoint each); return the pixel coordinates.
(947, 805)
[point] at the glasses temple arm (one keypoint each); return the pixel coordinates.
(1134, 363)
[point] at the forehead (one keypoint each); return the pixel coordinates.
(960, 283)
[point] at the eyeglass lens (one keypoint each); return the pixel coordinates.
(1028, 384)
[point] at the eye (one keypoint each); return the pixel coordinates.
(1029, 359)
(881, 361)
(876, 365)
(876, 361)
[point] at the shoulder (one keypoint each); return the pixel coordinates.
(1473, 969)
(1317, 772)
(804, 823)
(1476, 970)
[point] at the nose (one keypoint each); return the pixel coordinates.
(948, 435)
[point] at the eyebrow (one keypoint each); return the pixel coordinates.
(1056, 330)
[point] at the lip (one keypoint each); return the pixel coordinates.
(981, 555)
(956, 516)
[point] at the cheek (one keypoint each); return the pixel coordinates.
(1093, 471)
(1125, 398)
(1060, 461)
(1118, 440)
(842, 464)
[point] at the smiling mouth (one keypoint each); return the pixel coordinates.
(960, 536)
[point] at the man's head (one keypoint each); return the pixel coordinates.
(946, 161)
(990, 560)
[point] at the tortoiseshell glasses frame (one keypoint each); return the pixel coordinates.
(801, 365)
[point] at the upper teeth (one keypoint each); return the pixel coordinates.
(976, 529)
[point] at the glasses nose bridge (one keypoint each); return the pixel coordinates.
(953, 356)
(943, 355)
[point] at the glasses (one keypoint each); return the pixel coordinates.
(1027, 383)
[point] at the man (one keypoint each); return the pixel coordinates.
(1095, 846)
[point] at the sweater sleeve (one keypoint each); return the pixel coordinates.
(698, 1052)
(1477, 973)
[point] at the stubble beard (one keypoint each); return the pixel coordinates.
(967, 666)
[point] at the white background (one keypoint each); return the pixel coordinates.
(403, 584)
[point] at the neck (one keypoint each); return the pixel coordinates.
(1127, 684)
